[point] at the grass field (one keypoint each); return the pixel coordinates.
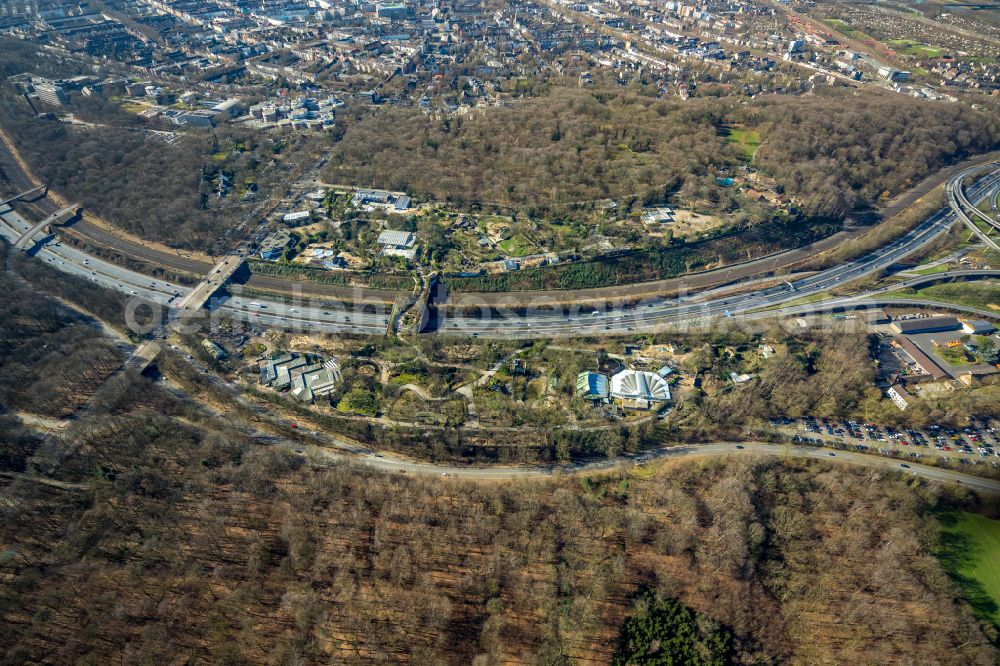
(931, 270)
(986, 206)
(517, 246)
(914, 48)
(747, 140)
(845, 28)
(133, 107)
(970, 552)
(984, 294)
(837, 24)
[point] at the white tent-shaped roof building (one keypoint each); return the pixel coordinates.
(637, 389)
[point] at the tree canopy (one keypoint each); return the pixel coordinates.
(833, 152)
(668, 633)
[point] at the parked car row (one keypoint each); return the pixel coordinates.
(980, 437)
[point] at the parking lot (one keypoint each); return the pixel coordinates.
(975, 445)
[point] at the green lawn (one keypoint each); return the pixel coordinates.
(970, 553)
(980, 294)
(133, 107)
(747, 140)
(983, 294)
(931, 270)
(982, 224)
(846, 29)
(914, 48)
(955, 356)
(837, 24)
(517, 246)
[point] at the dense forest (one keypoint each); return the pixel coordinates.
(843, 150)
(51, 359)
(131, 179)
(833, 151)
(173, 543)
(163, 191)
(20, 56)
(540, 153)
(152, 530)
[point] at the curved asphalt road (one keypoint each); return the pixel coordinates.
(658, 313)
(866, 303)
(11, 169)
(330, 318)
(334, 449)
(388, 463)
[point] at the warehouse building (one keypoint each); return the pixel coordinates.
(925, 325)
(978, 327)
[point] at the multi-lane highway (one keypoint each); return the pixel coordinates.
(542, 323)
(654, 314)
(327, 319)
(962, 206)
(20, 180)
(301, 314)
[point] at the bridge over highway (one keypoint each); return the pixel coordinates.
(24, 241)
(40, 190)
(215, 280)
(959, 202)
(147, 351)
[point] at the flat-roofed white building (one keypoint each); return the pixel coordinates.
(297, 216)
